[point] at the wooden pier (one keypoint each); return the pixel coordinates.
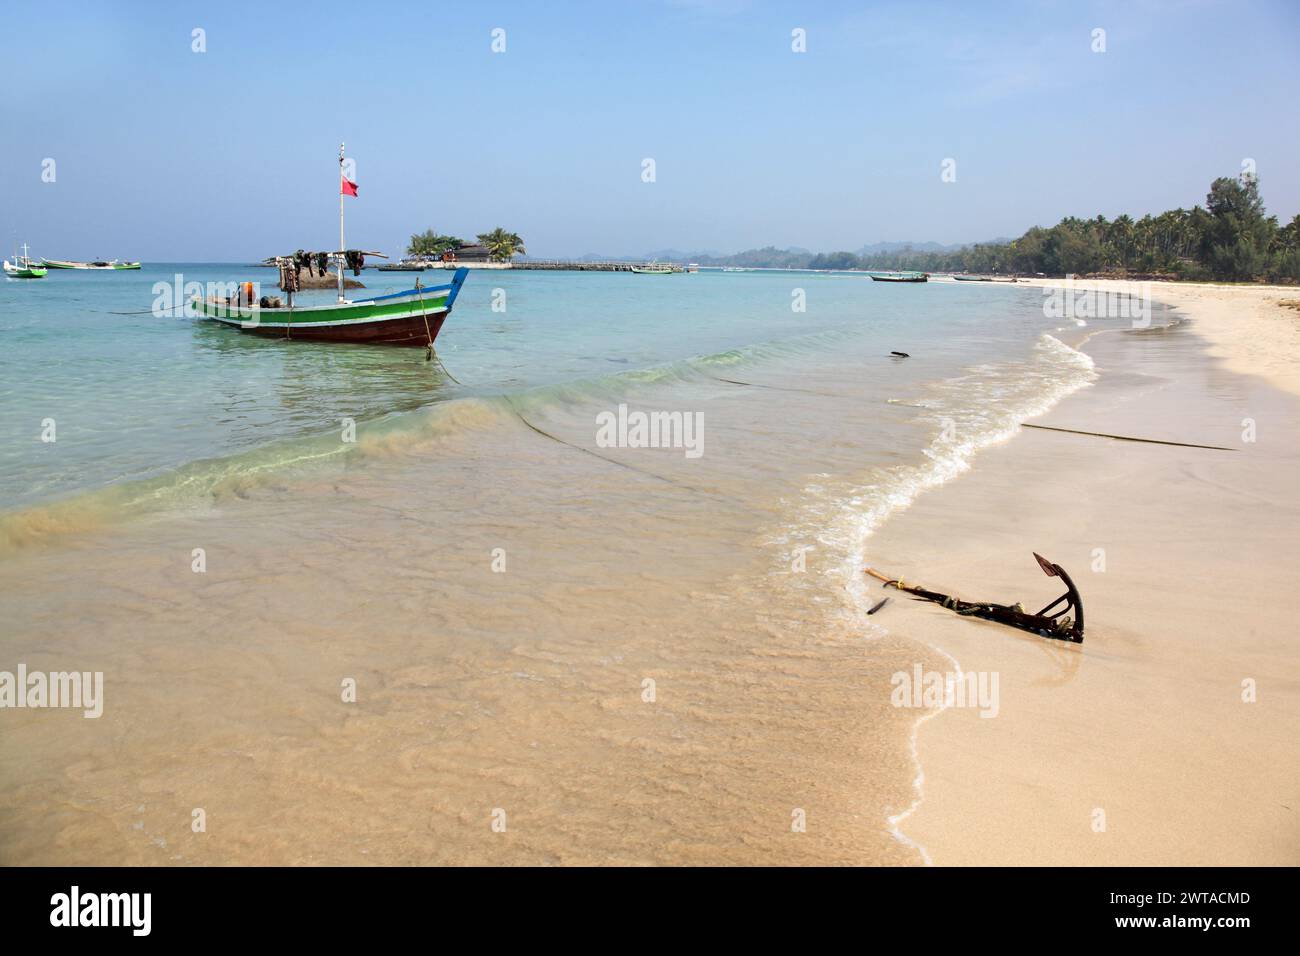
(545, 265)
(559, 265)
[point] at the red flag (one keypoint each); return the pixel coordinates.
(347, 187)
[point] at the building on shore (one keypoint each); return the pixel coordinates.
(467, 254)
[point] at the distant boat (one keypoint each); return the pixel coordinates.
(23, 267)
(654, 269)
(972, 278)
(411, 318)
(734, 269)
(900, 277)
(114, 264)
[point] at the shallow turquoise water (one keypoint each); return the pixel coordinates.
(139, 396)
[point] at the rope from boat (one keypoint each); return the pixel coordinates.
(1148, 441)
(424, 315)
(613, 461)
(776, 388)
(545, 434)
(445, 371)
(806, 391)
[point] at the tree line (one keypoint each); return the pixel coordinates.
(501, 245)
(1231, 238)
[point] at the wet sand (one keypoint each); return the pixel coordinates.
(1137, 746)
(523, 690)
(649, 680)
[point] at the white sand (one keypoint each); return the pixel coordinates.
(1135, 747)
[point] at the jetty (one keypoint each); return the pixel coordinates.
(547, 265)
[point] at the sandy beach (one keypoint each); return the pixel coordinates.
(1178, 714)
(650, 680)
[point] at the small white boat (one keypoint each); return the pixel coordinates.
(23, 267)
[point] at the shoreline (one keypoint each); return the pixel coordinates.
(1260, 338)
(1037, 784)
(522, 690)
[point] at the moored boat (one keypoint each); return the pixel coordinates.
(413, 317)
(900, 277)
(107, 264)
(972, 278)
(653, 269)
(23, 267)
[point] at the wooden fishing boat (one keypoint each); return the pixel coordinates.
(411, 318)
(112, 264)
(900, 277)
(972, 278)
(654, 269)
(23, 267)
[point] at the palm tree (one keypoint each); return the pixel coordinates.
(1144, 242)
(502, 246)
(1119, 238)
(430, 243)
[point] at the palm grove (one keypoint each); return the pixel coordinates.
(502, 246)
(1230, 238)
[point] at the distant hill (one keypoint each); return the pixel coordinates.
(665, 255)
(877, 248)
(884, 248)
(676, 255)
(878, 255)
(1230, 238)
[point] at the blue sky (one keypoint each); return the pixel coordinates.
(165, 154)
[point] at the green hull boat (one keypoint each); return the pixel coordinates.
(112, 264)
(23, 267)
(16, 272)
(411, 318)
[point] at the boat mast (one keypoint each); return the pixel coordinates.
(341, 247)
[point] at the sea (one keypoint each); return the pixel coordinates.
(585, 588)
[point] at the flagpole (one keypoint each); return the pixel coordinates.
(341, 247)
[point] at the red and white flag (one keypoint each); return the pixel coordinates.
(347, 187)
